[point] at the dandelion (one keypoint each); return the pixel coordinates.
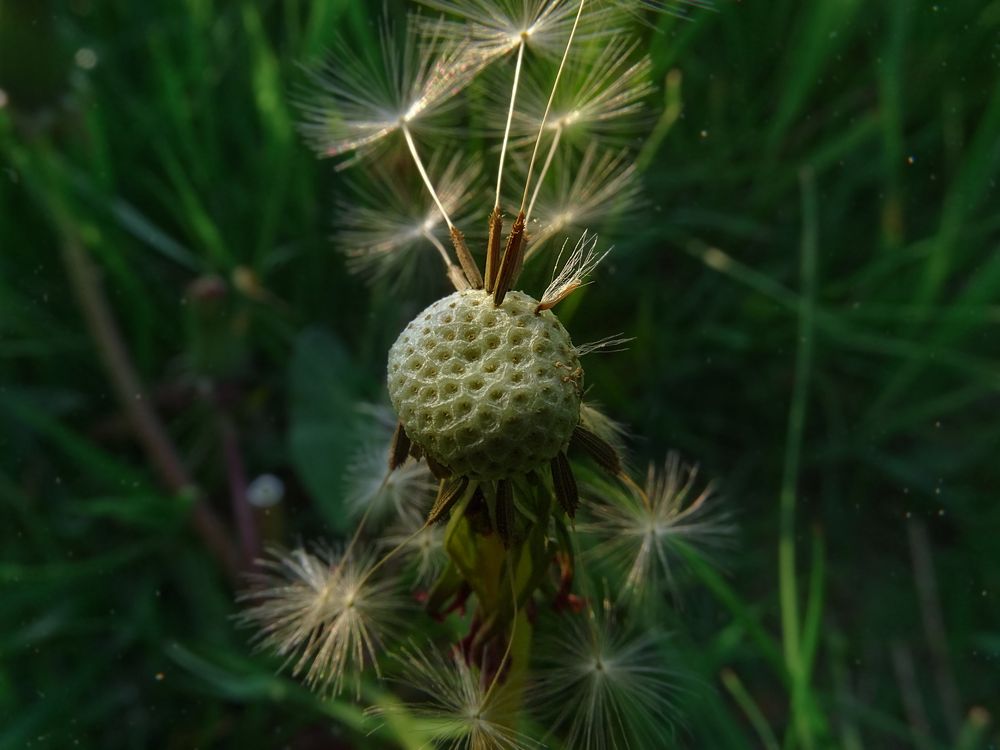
(600, 685)
(600, 98)
(391, 220)
(361, 100)
(324, 612)
(592, 417)
(422, 546)
(495, 28)
(370, 486)
(607, 345)
(679, 8)
(579, 265)
(463, 709)
(602, 185)
(640, 530)
(486, 386)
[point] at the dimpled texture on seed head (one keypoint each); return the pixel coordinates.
(489, 392)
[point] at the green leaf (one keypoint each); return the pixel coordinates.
(324, 397)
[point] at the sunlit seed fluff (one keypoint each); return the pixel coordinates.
(391, 224)
(639, 531)
(593, 418)
(681, 8)
(599, 98)
(600, 185)
(360, 99)
(370, 487)
(494, 28)
(324, 613)
(460, 710)
(422, 546)
(599, 685)
(573, 274)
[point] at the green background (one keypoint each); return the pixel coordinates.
(813, 285)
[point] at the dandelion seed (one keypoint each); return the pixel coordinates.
(461, 712)
(601, 686)
(606, 428)
(361, 100)
(604, 184)
(639, 530)
(369, 484)
(495, 28)
(607, 345)
(422, 546)
(680, 8)
(579, 265)
(324, 613)
(392, 219)
(599, 100)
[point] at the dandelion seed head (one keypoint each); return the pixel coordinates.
(601, 685)
(390, 222)
(359, 100)
(422, 546)
(494, 28)
(369, 484)
(603, 184)
(639, 531)
(324, 612)
(460, 711)
(599, 99)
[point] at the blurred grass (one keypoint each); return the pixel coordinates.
(174, 160)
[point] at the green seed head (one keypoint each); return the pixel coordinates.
(489, 392)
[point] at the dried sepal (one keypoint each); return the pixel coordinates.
(449, 492)
(399, 448)
(565, 484)
(601, 451)
(439, 470)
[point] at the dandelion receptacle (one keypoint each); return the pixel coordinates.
(499, 480)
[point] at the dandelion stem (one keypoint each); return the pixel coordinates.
(439, 246)
(548, 105)
(545, 170)
(510, 117)
(787, 579)
(513, 631)
(246, 524)
(423, 173)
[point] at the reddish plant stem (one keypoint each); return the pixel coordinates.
(246, 524)
(128, 388)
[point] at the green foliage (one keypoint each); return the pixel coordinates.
(863, 138)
